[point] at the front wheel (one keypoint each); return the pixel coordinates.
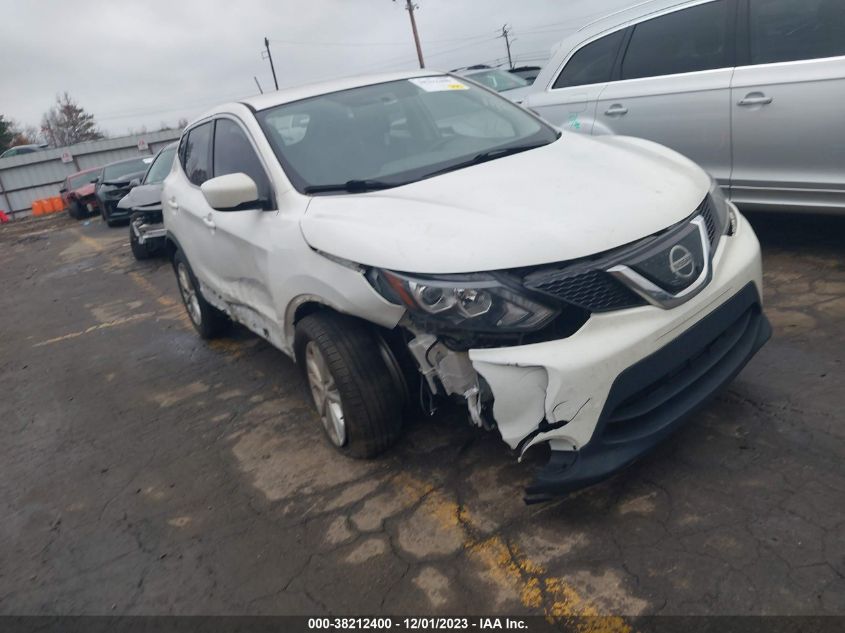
(76, 209)
(140, 251)
(208, 321)
(354, 392)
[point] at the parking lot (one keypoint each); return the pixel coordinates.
(145, 471)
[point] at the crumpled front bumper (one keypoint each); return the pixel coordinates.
(622, 383)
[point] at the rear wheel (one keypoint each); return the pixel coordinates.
(354, 392)
(208, 321)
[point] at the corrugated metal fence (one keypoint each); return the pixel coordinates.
(30, 177)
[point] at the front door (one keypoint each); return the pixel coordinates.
(674, 85)
(243, 239)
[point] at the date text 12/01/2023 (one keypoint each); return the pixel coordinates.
(414, 624)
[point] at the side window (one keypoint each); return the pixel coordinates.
(791, 30)
(686, 41)
(234, 153)
(196, 154)
(592, 64)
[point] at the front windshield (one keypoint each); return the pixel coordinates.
(499, 80)
(395, 132)
(82, 179)
(119, 170)
(161, 166)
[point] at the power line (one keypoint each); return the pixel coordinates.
(370, 44)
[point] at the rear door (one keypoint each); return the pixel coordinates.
(787, 100)
(570, 103)
(186, 209)
(673, 84)
(242, 240)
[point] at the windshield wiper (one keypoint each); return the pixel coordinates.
(353, 186)
(489, 155)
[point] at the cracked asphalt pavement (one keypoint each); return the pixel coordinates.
(143, 471)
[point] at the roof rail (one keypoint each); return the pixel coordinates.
(636, 5)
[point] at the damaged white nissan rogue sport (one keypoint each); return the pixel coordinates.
(415, 236)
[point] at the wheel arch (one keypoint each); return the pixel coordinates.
(299, 308)
(171, 245)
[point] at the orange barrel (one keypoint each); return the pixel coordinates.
(57, 204)
(37, 208)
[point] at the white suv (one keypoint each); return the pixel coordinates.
(409, 237)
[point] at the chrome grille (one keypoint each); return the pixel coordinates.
(709, 213)
(589, 286)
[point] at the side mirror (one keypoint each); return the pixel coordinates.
(95, 180)
(63, 190)
(134, 182)
(231, 192)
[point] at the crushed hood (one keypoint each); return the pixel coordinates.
(573, 198)
(141, 196)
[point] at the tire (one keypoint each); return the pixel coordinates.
(76, 210)
(140, 251)
(208, 321)
(113, 223)
(343, 353)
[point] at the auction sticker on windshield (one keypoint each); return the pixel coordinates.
(438, 84)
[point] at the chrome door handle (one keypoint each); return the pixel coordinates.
(616, 110)
(209, 222)
(755, 100)
(173, 204)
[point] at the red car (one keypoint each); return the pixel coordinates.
(78, 193)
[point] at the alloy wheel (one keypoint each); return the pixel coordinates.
(325, 393)
(189, 294)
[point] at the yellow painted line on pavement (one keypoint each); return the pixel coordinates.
(503, 562)
(94, 328)
(509, 568)
(137, 278)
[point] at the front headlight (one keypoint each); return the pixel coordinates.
(469, 302)
(721, 207)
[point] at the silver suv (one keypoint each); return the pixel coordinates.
(749, 89)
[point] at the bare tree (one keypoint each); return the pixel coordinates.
(67, 123)
(182, 123)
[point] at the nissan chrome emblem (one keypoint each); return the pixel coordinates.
(681, 262)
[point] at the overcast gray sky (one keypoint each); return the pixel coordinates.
(136, 64)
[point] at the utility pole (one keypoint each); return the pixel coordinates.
(270, 57)
(410, 7)
(506, 34)
(258, 84)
